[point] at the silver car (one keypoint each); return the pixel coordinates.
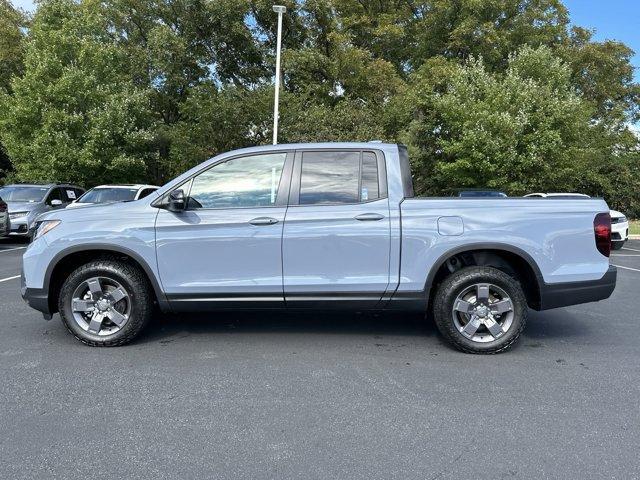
(26, 201)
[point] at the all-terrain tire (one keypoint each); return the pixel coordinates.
(131, 279)
(457, 282)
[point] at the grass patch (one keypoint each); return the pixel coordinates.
(634, 227)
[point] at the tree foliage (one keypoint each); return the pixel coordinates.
(493, 93)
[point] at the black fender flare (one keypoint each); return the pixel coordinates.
(108, 247)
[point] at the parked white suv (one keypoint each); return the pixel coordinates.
(619, 223)
(112, 194)
(619, 229)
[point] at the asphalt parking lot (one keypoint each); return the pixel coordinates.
(250, 395)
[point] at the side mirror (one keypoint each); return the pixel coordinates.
(56, 203)
(176, 201)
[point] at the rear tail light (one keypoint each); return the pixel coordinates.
(602, 232)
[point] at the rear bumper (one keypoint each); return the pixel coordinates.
(554, 295)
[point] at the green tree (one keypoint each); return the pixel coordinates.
(12, 24)
(486, 93)
(523, 130)
(75, 115)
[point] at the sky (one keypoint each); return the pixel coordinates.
(611, 19)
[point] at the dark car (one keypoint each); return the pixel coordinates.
(481, 194)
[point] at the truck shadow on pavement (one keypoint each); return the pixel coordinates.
(559, 324)
(288, 322)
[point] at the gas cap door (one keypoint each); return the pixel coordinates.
(450, 226)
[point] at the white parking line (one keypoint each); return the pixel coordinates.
(631, 249)
(12, 249)
(9, 278)
(627, 268)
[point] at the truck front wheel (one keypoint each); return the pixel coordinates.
(480, 310)
(106, 303)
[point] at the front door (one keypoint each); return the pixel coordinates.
(225, 247)
(336, 237)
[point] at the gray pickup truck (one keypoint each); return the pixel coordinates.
(332, 225)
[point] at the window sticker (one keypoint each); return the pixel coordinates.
(71, 194)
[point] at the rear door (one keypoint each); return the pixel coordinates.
(336, 238)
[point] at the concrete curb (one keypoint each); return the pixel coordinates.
(634, 237)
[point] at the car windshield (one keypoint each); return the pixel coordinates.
(108, 195)
(24, 194)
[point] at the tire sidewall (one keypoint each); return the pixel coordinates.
(464, 278)
(617, 245)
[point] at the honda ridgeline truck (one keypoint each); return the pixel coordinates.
(332, 225)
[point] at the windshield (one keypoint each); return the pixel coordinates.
(22, 193)
(108, 195)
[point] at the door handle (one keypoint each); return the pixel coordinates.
(263, 221)
(369, 217)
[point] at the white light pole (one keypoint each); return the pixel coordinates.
(279, 9)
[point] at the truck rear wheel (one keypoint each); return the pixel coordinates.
(106, 303)
(480, 310)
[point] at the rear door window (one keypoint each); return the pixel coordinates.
(339, 177)
(369, 184)
(55, 194)
(68, 194)
(329, 177)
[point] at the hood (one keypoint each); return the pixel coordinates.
(90, 212)
(79, 205)
(616, 214)
(22, 206)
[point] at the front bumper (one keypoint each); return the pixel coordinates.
(554, 295)
(619, 232)
(36, 298)
(20, 226)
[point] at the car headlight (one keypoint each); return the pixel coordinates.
(45, 226)
(15, 215)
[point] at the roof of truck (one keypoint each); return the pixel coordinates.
(319, 145)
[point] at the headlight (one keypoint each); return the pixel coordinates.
(44, 227)
(15, 215)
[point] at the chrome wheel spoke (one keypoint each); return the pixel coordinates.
(471, 327)
(94, 287)
(83, 305)
(463, 306)
(494, 327)
(503, 306)
(482, 294)
(116, 317)
(117, 295)
(96, 323)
